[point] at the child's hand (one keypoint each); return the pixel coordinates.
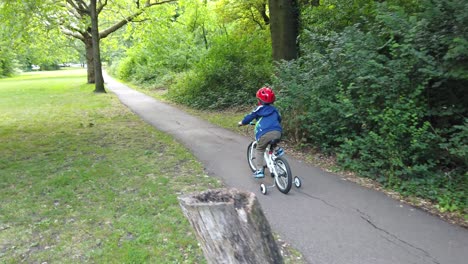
(240, 123)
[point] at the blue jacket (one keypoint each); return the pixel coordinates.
(268, 119)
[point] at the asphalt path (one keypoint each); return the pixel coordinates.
(329, 220)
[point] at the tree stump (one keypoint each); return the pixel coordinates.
(231, 227)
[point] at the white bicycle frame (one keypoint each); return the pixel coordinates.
(268, 157)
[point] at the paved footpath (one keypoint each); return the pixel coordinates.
(329, 220)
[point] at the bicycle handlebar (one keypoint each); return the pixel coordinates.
(240, 124)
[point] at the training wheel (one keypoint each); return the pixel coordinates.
(263, 188)
(297, 182)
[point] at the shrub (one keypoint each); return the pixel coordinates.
(230, 73)
(7, 63)
(388, 98)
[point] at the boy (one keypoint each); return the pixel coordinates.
(267, 128)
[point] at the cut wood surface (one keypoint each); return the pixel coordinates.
(231, 227)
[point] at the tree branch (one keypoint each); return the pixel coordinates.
(78, 6)
(263, 13)
(131, 18)
(101, 6)
(120, 24)
(254, 19)
(140, 20)
(82, 4)
(149, 4)
(68, 32)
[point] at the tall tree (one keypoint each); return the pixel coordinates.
(99, 80)
(79, 11)
(284, 27)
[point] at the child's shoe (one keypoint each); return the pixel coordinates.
(259, 174)
(279, 152)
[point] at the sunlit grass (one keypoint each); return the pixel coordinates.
(227, 119)
(82, 179)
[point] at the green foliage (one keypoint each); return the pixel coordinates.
(28, 38)
(228, 75)
(216, 59)
(389, 97)
(7, 30)
(7, 63)
(154, 54)
(336, 15)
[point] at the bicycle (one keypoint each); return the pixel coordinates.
(277, 164)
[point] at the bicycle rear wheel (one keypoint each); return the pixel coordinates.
(283, 178)
(251, 155)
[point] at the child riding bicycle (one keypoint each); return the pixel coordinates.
(267, 128)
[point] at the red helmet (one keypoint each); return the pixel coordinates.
(266, 95)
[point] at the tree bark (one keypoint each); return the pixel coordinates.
(99, 80)
(231, 227)
(89, 59)
(284, 28)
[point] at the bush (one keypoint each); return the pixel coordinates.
(156, 58)
(49, 66)
(388, 98)
(7, 63)
(229, 74)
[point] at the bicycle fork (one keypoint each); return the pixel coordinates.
(269, 159)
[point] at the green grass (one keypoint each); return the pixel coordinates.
(227, 119)
(82, 179)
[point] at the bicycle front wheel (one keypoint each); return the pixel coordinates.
(283, 178)
(251, 155)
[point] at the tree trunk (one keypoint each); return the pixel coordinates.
(89, 59)
(284, 28)
(99, 80)
(79, 9)
(231, 227)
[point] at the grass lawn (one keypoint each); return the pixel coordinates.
(82, 179)
(227, 119)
